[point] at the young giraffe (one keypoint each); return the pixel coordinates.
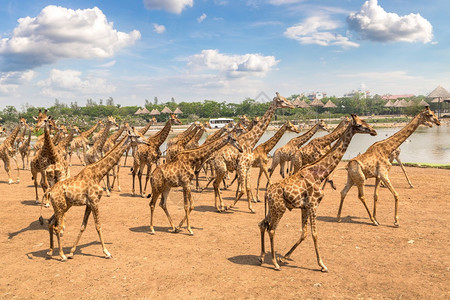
(8, 151)
(285, 153)
(46, 156)
(84, 189)
(82, 142)
(304, 190)
(180, 173)
(316, 148)
(147, 155)
(95, 152)
(375, 163)
(25, 149)
(141, 132)
(229, 159)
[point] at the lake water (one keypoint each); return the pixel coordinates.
(425, 145)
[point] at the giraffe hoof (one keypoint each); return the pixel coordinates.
(10, 181)
(376, 223)
(252, 211)
(277, 268)
(70, 256)
(396, 224)
(324, 269)
(63, 259)
(18, 180)
(108, 256)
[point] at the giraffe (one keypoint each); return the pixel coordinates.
(25, 149)
(304, 190)
(95, 152)
(146, 155)
(180, 145)
(316, 148)
(261, 151)
(46, 156)
(180, 173)
(194, 142)
(83, 189)
(8, 151)
(285, 153)
(375, 163)
(140, 132)
(63, 145)
(82, 142)
(20, 138)
(182, 134)
(229, 159)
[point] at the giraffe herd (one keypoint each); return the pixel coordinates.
(233, 148)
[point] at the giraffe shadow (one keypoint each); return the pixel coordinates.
(163, 229)
(208, 208)
(35, 225)
(55, 254)
(253, 260)
(347, 219)
(30, 203)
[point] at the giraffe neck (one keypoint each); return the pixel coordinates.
(66, 141)
(334, 135)
(100, 168)
(28, 140)
(390, 144)
(113, 138)
(298, 141)
(252, 137)
(98, 145)
(49, 148)
(159, 138)
(217, 134)
(89, 131)
(199, 155)
(22, 133)
(198, 135)
(12, 137)
(144, 130)
(185, 139)
(269, 144)
(327, 163)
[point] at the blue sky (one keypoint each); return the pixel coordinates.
(221, 50)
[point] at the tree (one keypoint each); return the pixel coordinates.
(155, 101)
(110, 101)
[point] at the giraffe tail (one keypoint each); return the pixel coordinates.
(45, 198)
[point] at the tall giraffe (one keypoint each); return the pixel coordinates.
(95, 152)
(142, 133)
(8, 150)
(46, 156)
(304, 190)
(229, 159)
(25, 148)
(180, 173)
(317, 147)
(375, 163)
(285, 153)
(82, 142)
(146, 155)
(84, 190)
(180, 145)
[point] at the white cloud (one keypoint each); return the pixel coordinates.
(11, 81)
(58, 33)
(159, 29)
(68, 83)
(173, 6)
(373, 23)
(201, 18)
(281, 2)
(315, 30)
(108, 64)
(233, 65)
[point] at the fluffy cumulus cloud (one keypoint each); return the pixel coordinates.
(159, 29)
(373, 23)
(59, 32)
(173, 6)
(71, 82)
(316, 30)
(10, 81)
(201, 18)
(233, 65)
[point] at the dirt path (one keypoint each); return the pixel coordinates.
(220, 260)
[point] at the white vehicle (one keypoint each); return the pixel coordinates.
(219, 122)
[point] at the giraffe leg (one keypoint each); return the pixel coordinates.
(163, 205)
(217, 196)
(375, 199)
(95, 198)
(87, 213)
(282, 164)
(362, 198)
(312, 216)
(344, 192)
(388, 184)
(7, 165)
(263, 227)
(302, 237)
(257, 185)
(59, 221)
(34, 175)
(147, 178)
(274, 216)
(152, 203)
(188, 207)
(51, 226)
(404, 172)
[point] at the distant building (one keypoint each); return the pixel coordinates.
(395, 97)
(316, 95)
(359, 92)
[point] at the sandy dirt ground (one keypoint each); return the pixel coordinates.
(221, 259)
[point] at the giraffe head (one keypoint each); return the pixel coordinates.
(291, 127)
(153, 120)
(428, 118)
(361, 126)
(174, 120)
(207, 125)
(112, 121)
(239, 129)
(243, 120)
(323, 126)
(134, 137)
(232, 140)
(40, 118)
(281, 102)
(46, 122)
(76, 130)
(2, 130)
